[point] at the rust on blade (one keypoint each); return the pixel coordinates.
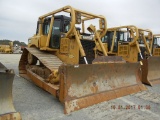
(144, 70)
(11, 116)
(109, 59)
(79, 103)
(154, 70)
(85, 85)
(51, 88)
(151, 70)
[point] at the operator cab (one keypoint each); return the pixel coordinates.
(108, 39)
(61, 25)
(156, 42)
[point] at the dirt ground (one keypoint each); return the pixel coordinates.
(36, 104)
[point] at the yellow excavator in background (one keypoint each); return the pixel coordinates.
(7, 110)
(133, 44)
(73, 65)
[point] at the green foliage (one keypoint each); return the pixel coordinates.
(6, 42)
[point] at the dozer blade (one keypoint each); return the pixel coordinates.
(7, 111)
(152, 69)
(85, 85)
(2, 67)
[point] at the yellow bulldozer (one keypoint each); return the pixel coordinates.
(156, 45)
(153, 62)
(7, 110)
(6, 48)
(72, 64)
(134, 44)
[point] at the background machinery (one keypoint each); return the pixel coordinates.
(6, 48)
(156, 45)
(133, 44)
(153, 61)
(10, 48)
(72, 64)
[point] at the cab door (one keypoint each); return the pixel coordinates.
(56, 34)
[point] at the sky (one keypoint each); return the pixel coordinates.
(18, 18)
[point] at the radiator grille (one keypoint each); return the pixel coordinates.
(88, 47)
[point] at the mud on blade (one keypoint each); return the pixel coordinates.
(85, 85)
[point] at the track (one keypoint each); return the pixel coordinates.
(49, 60)
(41, 75)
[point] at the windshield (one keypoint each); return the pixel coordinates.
(141, 41)
(66, 26)
(121, 36)
(46, 27)
(56, 27)
(156, 40)
(104, 39)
